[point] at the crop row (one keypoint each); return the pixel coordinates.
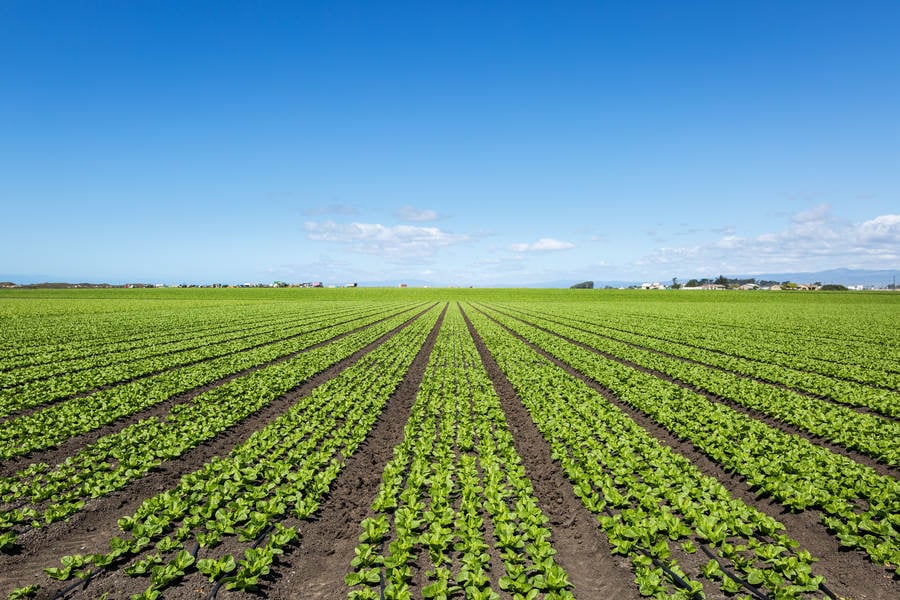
(69, 383)
(245, 499)
(35, 337)
(847, 341)
(455, 493)
(682, 530)
(849, 384)
(59, 422)
(867, 433)
(859, 506)
(183, 340)
(40, 494)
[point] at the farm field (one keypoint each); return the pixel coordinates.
(449, 443)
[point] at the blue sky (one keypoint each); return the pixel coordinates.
(463, 143)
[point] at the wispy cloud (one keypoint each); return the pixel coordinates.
(330, 209)
(542, 245)
(814, 239)
(395, 242)
(416, 215)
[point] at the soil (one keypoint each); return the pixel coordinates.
(849, 574)
(874, 464)
(57, 454)
(90, 530)
(582, 548)
(315, 567)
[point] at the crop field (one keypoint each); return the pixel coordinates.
(449, 443)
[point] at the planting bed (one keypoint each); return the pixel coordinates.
(510, 444)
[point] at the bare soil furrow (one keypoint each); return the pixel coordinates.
(849, 574)
(315, 568)
(56, 455)
(776, 384)
(721, 353)
(202, 341)
(89, 530)
(582, 548)
(122, 382)
(877, 466)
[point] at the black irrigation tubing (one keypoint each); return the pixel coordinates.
(215, 589)
(82, 581)
(827, 591)
(753, 589)
(676, 579)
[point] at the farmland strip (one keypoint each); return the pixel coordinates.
(857, 504)
(41, 547)
(582, 550)
(866, 433)
(123, 334)
(315, 568)
(74, 444)
(877, 392)
(53, 494)
(81, 383)
(183, 341)
(656, 508)
(845, 572)
(455, 494)
(240, 502)
(59, 422)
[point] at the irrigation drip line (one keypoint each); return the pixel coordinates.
(82, 581)
(676, 579)
(753, 589)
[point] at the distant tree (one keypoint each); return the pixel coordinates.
(584, 285)
(833, 287)
(675, 284)
(692, 283)
(721, 280)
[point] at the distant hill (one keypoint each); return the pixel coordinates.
(867, 277)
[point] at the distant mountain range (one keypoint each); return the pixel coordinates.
(865, 277)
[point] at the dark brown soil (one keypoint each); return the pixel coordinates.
(849, 574)
(776, 384)
(721, 353)
(315, 568)
(82, 394)
(582, 548)
(90, 530)
(57, 454)
(874, 464)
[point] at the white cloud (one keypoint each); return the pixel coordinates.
(885, 228)
(542, 245)
(815, 239)
(395, 242)
(411, 213)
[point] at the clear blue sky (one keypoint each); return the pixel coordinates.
(462, 143)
